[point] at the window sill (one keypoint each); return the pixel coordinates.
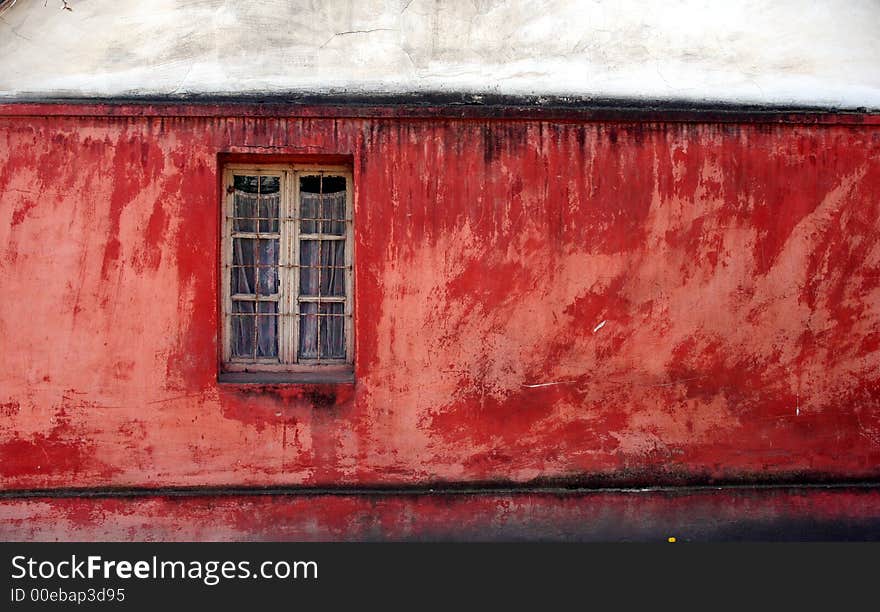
(287, 378)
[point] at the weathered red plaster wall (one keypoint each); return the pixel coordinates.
(651, 302)
(812, 514)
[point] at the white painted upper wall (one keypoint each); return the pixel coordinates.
(786, 52)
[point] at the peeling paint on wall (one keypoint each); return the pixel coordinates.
(627, 302)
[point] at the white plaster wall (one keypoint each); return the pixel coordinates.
(792, 52)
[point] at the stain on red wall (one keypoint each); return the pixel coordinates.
(811, 514)
(651, 302)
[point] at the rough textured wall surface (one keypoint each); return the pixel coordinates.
(754, 51)
(811, 514)
(620, 302)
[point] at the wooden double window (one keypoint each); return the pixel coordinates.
(287, 272)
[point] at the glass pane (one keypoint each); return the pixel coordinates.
(308, 330)
(244, 259)
(242, 265)
(334, 213)
(256, 204)
(310, 184)
(332, 331)
(269, 206)
(270, 184)
(268, 281)
(333, 184)
(310, 204)
(333, 209)
(332, 268)
(243, 280)
(270, 201)
(308, 272)
(322, 205)
(268, 251)
(267, 329)
(247, 184)
(245, 206)
(243, 333)
(245, 203)
(243, 251)
(309, 211)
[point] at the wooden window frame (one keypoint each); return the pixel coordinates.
(288, 367)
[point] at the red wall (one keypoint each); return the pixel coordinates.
(716, 514)
(736, 268)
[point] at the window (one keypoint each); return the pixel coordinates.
(287, 273)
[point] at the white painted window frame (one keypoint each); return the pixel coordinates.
(288, 262)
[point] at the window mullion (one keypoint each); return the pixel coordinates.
(348, 272)
(293, 220)
(282, 263)
(256, 243)
(319, 225)
(226, 270)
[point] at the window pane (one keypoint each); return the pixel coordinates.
(243, 333)
(244, 259)
(332, 268)
(270, 184)
(326, 273)
(268, 251)
(310, 183)
(245, 206)
(308, 272)
(268, 261)
(333, 205)
(256, 203)
(245, 203)
(247, 184)
(267, 329)
(333, 184)
(332, 331)
(268, 222)
(242, 280)
(268, 280)
(309, 211)
(270, 201)
(322, 205)
(310, 204)
(243, 251)
(308, 330)
(242, 265)
(334, 214)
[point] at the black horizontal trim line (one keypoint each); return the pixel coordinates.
(433, 99)
(446, 490)
(462, 105)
